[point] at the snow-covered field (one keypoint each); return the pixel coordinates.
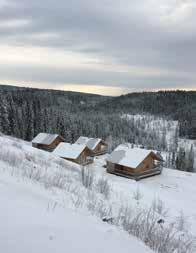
(36, 215)
(31, 222)
(46, 206)
(175, 189)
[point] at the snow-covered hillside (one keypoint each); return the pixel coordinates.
(174, 190)
(31, 221)
(161, 134)
(38, 217)
(51, 205)
(157, 125)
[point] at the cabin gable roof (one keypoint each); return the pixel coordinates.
(45, 138)
(70, 151)
(130, 157)
(91, 143)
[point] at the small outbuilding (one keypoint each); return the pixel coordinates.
(134, 163)
(74, 152)
(47, 141)
(97, 146)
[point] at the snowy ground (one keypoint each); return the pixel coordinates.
(174, 188)
(31, 223)
(46, 208)
(39, 215)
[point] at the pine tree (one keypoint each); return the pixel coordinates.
(190, 160)
(12, 128)
(176, 135)
(173, 159)
(163, 140)
(181, 159)
(4, 121)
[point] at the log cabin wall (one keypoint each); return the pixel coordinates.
(56, 142)
(124, 169)
(83, 155)
(147, 164)
(98, 148)
(120, 169)
(110, 166)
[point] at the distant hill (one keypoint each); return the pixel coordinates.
(26, 111)
(176, 105)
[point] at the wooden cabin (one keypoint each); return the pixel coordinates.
(47, 141)
(97, 146)
(74, 152)
(134, 163)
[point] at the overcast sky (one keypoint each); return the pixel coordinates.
(106, 46)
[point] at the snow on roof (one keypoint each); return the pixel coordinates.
(126, 156)
(44, 138)
(67, 150)
(82, 140)
(91, 143)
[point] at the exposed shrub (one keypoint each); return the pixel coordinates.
(13, 157)
(182, 223)
(163, 239)
(137, 195)
(17, 144)
(103, 187)
(98, 206)
(159, 207)
(87, 177)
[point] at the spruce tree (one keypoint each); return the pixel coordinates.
(181, 160)
(190, 160)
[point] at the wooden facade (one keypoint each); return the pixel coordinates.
(49, 147)
(100, 149)
(96, 145)
(83, 159)
(150, 166)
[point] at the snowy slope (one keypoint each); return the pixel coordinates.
(31, 222)
(175, 189)
(45, 204)
(39, 215)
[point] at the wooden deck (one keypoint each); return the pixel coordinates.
(137, 176)
(88, 161)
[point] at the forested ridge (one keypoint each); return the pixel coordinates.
(176, 105)
(24, 112)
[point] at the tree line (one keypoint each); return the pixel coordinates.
(25, 112)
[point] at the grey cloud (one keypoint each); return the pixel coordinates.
(120, 30)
